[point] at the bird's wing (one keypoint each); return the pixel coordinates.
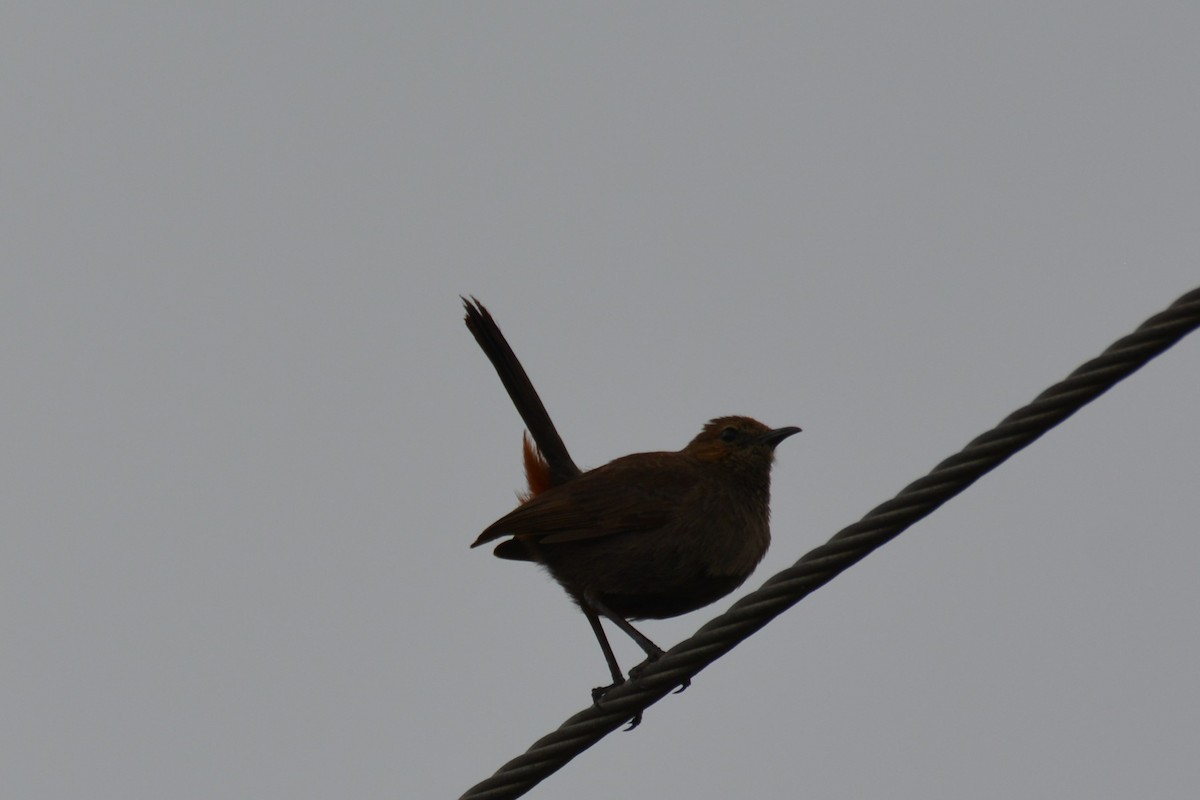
(620, 497)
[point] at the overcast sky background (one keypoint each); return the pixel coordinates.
(247, 439)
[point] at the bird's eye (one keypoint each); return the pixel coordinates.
(729, 434)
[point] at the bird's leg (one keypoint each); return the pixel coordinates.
(613, 667)
(653, 652)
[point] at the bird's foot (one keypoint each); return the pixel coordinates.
(598, 697)
(599, 692)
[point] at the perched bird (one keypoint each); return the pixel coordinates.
(650, 535)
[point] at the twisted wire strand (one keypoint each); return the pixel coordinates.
(847, 547)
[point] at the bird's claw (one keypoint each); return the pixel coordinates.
(598, 696)
(599, 692)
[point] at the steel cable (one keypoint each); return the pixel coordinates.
(846, 548)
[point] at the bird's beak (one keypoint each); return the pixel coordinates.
(772, 438)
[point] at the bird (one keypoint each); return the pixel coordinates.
(647, 536)
(650, 535)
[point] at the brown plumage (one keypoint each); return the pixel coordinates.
(653, 535)
(537, 470)
(650, 535)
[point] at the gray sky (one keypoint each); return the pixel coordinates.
(248, 439)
